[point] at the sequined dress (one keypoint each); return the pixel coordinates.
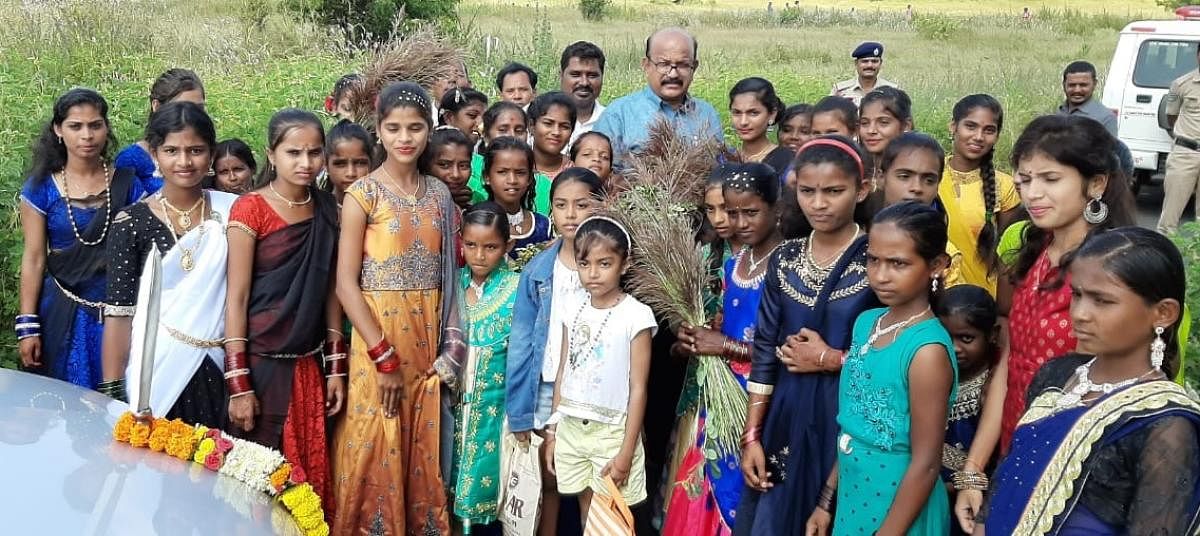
(387, 471)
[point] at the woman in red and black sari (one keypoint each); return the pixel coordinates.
(282, 318)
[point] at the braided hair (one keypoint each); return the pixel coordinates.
(985, 245)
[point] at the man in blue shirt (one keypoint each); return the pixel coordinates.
(669, 65)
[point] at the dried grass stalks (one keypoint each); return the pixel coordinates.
(675, 164)
(423, 56)
(670, 270)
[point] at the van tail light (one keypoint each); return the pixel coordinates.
(1143, 29)
(1188, 13)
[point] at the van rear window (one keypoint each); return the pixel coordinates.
(1160, 62)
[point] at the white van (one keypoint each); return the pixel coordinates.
(1149, 56)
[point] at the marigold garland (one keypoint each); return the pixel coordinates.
(261, 468)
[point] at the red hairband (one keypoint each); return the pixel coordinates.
(862, 174)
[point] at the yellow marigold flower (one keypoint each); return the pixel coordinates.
(140, 435)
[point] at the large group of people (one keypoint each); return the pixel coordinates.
(927, 345)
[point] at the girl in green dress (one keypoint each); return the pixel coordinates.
(489, 290)
(897, 384)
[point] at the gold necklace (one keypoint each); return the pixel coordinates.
(66, 195)
(757, 157)
(187, 260)
(185, 217)
(404, 194)
(290, 203)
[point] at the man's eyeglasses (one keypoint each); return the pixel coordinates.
(665, 67)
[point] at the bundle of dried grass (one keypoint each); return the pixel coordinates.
(670, 270)
(423, 56)
(673, 163)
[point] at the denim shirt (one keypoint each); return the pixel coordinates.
(627, 120)
(527, 343)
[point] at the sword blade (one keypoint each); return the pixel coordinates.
(151, 297)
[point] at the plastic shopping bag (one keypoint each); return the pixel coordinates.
(522, 494)
(608, 514)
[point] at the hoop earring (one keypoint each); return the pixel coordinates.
(1096, 211)
(1157, 348)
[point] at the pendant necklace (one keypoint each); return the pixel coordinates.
(877, 333)
(1084, 386)
(184, 216)
(187, 259)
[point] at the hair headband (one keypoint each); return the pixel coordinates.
(625, 232)
(862, 173)
(406, 96)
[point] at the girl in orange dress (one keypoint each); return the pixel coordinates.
(396, 280)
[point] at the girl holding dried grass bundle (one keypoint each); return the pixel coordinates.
(814, 288)
(751, 192)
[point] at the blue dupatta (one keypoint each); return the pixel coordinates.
(1038, 484)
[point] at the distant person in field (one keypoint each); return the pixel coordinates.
(517, 84)
(908, 13)
(669, 65)
(868, 61)
(1183, 164)
(581, 77)
(1026, 15)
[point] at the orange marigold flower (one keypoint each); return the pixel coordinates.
(123, 427)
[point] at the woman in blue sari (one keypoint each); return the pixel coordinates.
(814, 289)
(67, 206)
(1108, 444)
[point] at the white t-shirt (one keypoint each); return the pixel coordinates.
(595, 382)
(568, 295)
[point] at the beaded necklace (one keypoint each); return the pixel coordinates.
(581, 334)
(66, 195)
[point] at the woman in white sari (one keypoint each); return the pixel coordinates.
(186, 223)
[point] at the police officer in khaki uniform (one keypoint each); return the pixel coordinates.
(868, 60)
(1183, 164)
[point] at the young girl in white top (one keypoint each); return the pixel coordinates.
(600, 395)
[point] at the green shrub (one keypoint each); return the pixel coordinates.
(1188, 241)
(373, 21)
(937, 27)
(594, 9)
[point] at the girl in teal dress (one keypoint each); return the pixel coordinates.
(490, 289)
(896, 387)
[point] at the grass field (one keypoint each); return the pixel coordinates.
(255, 58)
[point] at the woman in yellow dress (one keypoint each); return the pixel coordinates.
(397, 280)
(979, 200)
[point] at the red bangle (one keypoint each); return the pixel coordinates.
(380, 348)
(335, 347)
(388, 366)
(751, 436)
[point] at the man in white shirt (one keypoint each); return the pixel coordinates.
(581, 76)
